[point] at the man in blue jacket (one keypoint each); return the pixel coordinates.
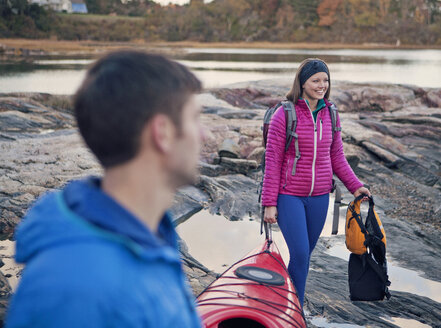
(103, 252)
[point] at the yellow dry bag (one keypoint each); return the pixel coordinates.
(359, 234)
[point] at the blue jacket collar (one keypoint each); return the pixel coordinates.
(86, 199)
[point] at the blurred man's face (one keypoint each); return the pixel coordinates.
(185, 156)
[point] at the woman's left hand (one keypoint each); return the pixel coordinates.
(362, 190)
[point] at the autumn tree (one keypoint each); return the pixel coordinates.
(384, 6)
(232, 17)
(434, 7)
(327, 12)
(306, 11)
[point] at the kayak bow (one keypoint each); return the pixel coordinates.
(255, 292)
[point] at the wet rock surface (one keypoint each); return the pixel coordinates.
(233, 196)
(327, 290)
(391, 137)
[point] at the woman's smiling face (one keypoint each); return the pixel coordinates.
(316, 86)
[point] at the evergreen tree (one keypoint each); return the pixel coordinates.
(19, 6)
(306, 11)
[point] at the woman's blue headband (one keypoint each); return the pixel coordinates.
(311, 68)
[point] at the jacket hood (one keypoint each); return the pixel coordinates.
(83, 213)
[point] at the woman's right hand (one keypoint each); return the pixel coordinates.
(270, 214)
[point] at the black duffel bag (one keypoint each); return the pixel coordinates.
(368, 280)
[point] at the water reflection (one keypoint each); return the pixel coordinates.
(10, 269)
(401, 322)
(48, 81)
(76, 62)
(384, 66)
(218, 243)
(217, 79)
(275, 57)
(242, 66)
(402, 279)
(426, 55)
(217, 67)
(324, 323)
(354, 72)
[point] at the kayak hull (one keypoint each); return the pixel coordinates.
(255, 292)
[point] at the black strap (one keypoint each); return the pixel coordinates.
(378, 269)
(267, 227)
(337, 202)
(356, 215)
(290, 121)
(360, 197)
(380, 272)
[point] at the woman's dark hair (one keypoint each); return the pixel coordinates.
(121, 93)
(297, 89)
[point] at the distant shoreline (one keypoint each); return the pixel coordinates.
(47, 47)
(293, 45)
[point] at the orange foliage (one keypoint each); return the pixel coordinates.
(327, 11)
(285, 15)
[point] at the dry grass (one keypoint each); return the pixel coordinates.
(47, 45)
(287, 45)
(96, 47)
(94, 17)
(55, 47)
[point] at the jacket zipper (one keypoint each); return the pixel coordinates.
(321, 129)
(286, 174)
(315, 152)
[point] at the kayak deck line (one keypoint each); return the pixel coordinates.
(262, 300)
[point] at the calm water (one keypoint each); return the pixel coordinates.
(214, 241)
(218, 67)
(219, 243)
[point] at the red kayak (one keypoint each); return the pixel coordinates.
(255, 292)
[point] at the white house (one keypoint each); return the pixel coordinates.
(79, 6)
(57, 5)
(68, 6)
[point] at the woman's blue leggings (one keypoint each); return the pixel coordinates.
(301, 220)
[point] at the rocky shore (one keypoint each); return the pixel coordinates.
(391, 137)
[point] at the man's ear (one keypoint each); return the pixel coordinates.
(161, 132)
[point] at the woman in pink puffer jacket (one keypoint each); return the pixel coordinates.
(296, 193)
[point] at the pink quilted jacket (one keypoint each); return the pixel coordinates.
(320, 157)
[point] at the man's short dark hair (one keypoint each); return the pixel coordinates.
(121, 93)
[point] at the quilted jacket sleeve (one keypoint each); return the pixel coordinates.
(340, 165)
(275, 151)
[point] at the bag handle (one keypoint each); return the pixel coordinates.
(361, 196)
(356, 215)
(268, 232)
